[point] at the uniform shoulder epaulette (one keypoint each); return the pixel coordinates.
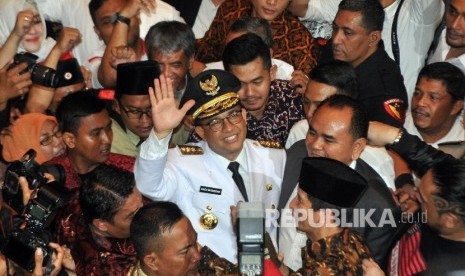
(190, 150)
(270, 144)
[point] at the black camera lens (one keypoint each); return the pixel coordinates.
(43, 75)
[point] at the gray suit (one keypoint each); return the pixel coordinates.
(378, 197)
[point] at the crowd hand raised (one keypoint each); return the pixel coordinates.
(24, 21)
(121, 54)
(134, 7)
(165, 114)
(299, 81)
(69, 37)
(57, 260)
(13, 83)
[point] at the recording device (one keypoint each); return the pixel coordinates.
(40, 74)
(28, 230)
(250, 237)
(34, 174)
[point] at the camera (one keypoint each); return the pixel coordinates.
(28, 231)
(34, 174)
(40, 74)
(250, 237)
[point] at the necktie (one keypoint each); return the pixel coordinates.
(234, 167)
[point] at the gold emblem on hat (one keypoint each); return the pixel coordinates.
(269, 187)
(210, 86)
(208, 221)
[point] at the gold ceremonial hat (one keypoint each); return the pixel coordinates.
(214, 92)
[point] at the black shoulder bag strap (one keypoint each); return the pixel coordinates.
(394, 41)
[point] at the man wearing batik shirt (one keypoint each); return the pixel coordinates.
(99, 235)
(331, 248)
(272, 105)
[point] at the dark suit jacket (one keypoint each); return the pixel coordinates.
(377, 196)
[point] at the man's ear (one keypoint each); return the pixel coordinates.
(273, 71)
(457, 107)
(449, 220)
(116, 107)
(375, 38)
(200, 131)
(190, 62)
(69, 139)
(358, 147)
(100, 224)
(152, 261)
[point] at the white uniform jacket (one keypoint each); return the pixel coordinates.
(201, 183)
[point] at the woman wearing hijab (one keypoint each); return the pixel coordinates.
(22, 29)
(33, 131)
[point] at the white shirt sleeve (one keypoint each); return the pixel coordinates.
(321, 10)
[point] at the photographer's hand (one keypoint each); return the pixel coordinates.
(57, 259)
(12, 83)
(25, 188)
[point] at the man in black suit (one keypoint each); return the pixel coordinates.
(338, 130)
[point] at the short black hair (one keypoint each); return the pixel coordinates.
(150, 223)
(371, 10)
(450, 76)
(255, 25)
(94, 5)
(359, 121)
(104, 191)
(76, 106)
(339, 74)
(169, 37)
(245, 49)
(449, 177)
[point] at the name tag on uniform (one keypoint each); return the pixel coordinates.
(210, 190)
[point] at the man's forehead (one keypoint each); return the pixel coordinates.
(95, 120)
(172, 54)
(319, 90)
(225, 113)
(459, 5)
(109, 6)
(349, 19)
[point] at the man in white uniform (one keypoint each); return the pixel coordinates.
(207, 178)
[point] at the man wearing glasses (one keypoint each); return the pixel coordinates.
(207, 178)
(133, 122)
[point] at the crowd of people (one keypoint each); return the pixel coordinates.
(137, 126)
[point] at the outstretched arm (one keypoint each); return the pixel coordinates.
(165, 114)
(117, 50)
(24, 21)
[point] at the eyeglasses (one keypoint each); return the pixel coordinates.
(47, 138)
(136, 113)
(217, 124)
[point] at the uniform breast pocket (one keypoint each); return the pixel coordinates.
(211, 210)
(271, 197)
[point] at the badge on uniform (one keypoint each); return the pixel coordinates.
(395, 109)
(208, 221)
(269, 187)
